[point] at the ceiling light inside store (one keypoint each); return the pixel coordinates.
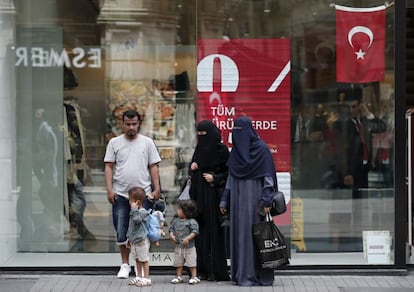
(116, 30)
(128, 23)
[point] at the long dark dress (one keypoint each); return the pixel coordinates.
(252, 178)
(211, 157)
(211, 257)
(245, 270)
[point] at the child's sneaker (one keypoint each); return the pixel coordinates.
(194, 281)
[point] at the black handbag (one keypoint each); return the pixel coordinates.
(277, 207)
(278, 204)
(270, 244)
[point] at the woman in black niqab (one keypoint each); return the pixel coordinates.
(208, 177)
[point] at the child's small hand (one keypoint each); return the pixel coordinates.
(173, 238)
(185, 242)
(128, 244)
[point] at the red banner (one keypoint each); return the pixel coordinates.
(360, 44)
(247, 77)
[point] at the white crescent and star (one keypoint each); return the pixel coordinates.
(360, 29)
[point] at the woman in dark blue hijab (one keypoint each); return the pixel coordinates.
(251, 178)
(250, 156)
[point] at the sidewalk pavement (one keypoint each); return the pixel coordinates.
(60, 281)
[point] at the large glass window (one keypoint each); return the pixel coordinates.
(339, 200)
(342, 149)
(78, 65)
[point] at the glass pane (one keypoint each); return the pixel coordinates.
(343, 194)
(77, 65)
(40, 141)
(78, 71)
(327, 215)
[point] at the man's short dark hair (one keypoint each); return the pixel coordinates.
(130, 114)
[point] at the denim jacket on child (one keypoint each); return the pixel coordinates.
(137, 230)
(182, 228)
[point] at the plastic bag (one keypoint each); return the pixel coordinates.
(270, 244)
(185, 194)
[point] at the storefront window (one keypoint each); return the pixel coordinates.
(78, 66)
(329, 213)
(104, 62)
(342, 174)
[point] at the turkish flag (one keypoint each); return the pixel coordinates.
(360, 44)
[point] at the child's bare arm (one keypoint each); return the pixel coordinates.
(187, 239)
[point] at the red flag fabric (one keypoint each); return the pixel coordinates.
(360, 44)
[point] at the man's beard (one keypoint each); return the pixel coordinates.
(131, 134)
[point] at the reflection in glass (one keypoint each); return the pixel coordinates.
(102, 57)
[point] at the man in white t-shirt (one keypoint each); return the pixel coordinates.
(131, 160)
